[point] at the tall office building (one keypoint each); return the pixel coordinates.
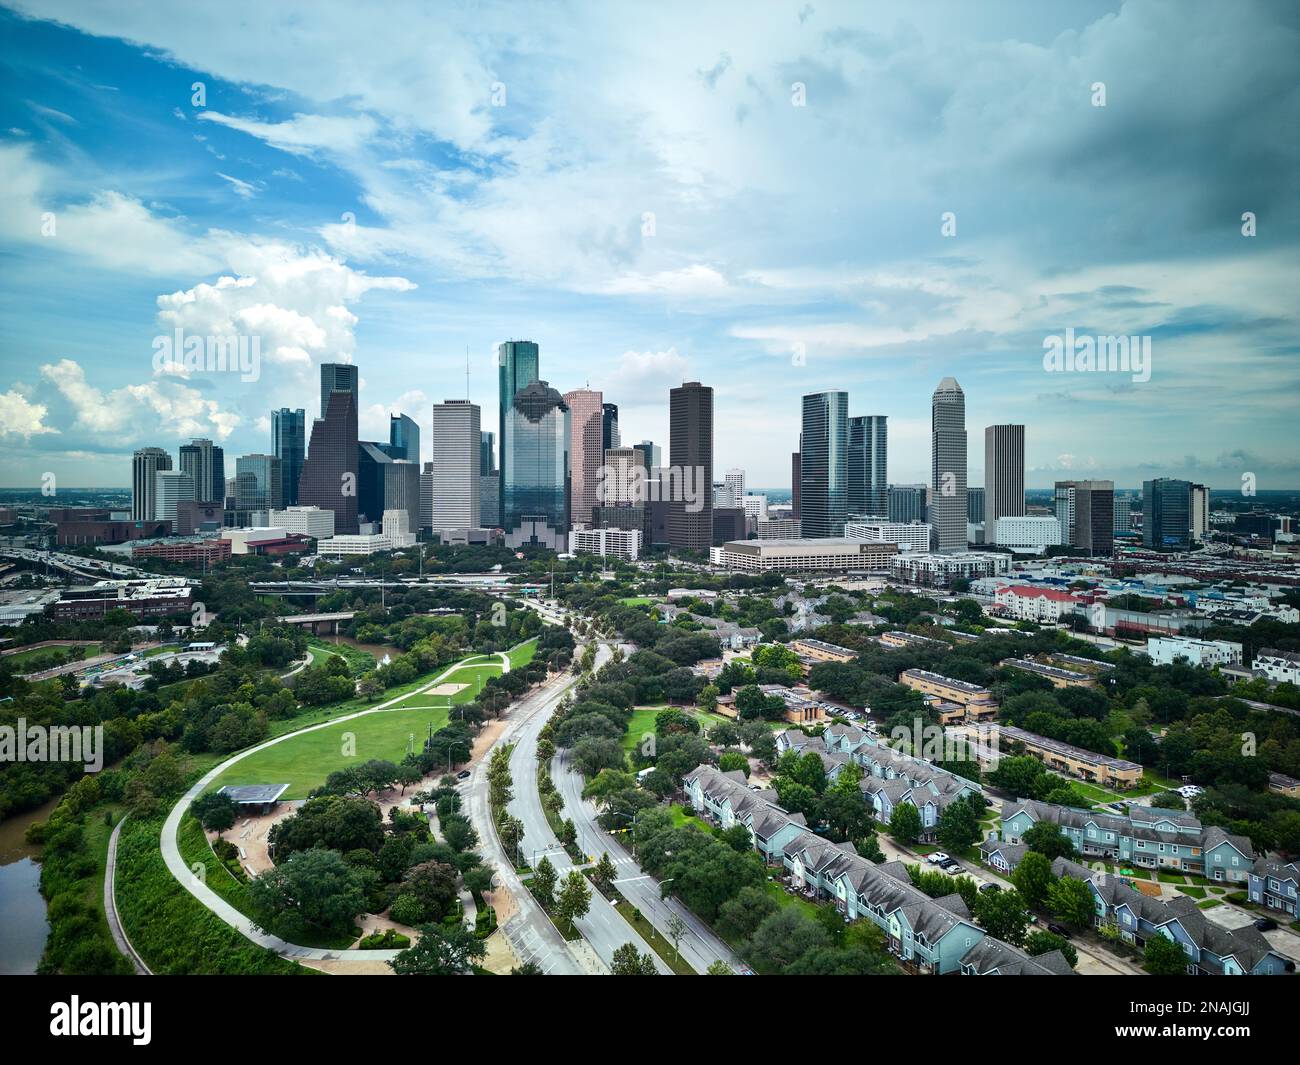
(690, 461)
(1004, 476)
(948, 465)
(289, 444)
(622, 491)
(329, 472)
(586, 451)
(489, 495)
(257, 483)
(651, 456)
(403, 438)
(609, 427)
(518, 363)
(974, 505)
(171, 488)
(457, 462)
(206, 465)
(868, 465)
(535, 468)
(145, 466)
(338, 377)
(907, 503)
(1200, 512)
(823, 461)
(796, 494)
(1167, 513)
(1086, 513)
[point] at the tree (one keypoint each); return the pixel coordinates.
(406, 909)
(574, 899)
(544, 877)
(1003, 914)
(604, 872)
(783, 938)
(958, 827)
(627, 962)
(311, 890)
(440, 951)
(1032, 877)
(739, 917)
(718, 968)
(215, 811)
(905, 823)
(1070, 900)
(1046, 942)
(1164, 957)
(1048, 839)
(676, 929)
(434, 885)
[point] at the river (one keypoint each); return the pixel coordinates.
(23, 927)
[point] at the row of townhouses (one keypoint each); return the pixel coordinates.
(1211, 949)
(1276, 884)
(1147, 837)
(933, 936)
(889, 777)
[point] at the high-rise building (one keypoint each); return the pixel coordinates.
(206, 465)
(1200, 512)
(609, 426)
(329, 472)
(1166, 513)
(338, 377)
(489, 492)
(823, 461)
(518, 363)
(974, 505)
(1086, 512)
(145, 466)
(457, 462)
(403, 438)
(651, 455)
(734, 479)
(171, 487)
(868, 463)
(796, 494)
(1004, 476)
(907, 503)
(622, 491)
(258, 483)
(535, 468)
(690, 461)
(289, 444)
(947, 512)
(586, 451)
(402, 496)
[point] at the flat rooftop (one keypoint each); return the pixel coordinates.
(253, 794)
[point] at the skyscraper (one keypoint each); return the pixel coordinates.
(257, 483)
(535, 468)
(796, 492)
(338, 377)
(1086, 512)
(289, 444)
(907, 503)
(690, 461)
(1167, 513)
(171, 487)
(403, 438)
(518, 363)
(145, 465)
(329, 472)
(867, 467)
(457, 460)
(974, 505)
(1200, 511)
(586, 452)
(489, 500)
(609, 427)
(948, 465)
(734, 479)
(206, 465)
(823, 464)
(1004, 476)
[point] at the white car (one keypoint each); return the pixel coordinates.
(1190, 791)
(937, 858)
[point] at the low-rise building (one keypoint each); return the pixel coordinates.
(979, 702)
(1091, 766)
(941, 570)
(1164, 650)
(349, 544)
(158, 597)
(804, 555)
(913, 536)
(1278, 665)
(1054, 675)
(1035, 603)
(315, 522)
(190, 552)
(898, 638)
(1284, 785)
(821, 651)
(1276, 884)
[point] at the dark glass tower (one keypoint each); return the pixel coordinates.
(329, 472)
(535, 468)
(688, 483)
(1166, 513)
(868, 482)
(517, 367)
(288, 444)
(403, 438)
(823, 464)
(608, 427)
(338, 377)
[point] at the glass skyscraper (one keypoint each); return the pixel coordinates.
(403, 438)
(868, 478)
(338, 377)
(688, 482)
(948, 465)
(329, 472)
(289, 444)
(1166, 513)
(257, 483)
(517, 367)
(535, 468)
(824, 464)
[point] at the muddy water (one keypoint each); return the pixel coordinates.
(23, 928)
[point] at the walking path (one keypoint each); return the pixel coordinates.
(214, 902)
(110, 906)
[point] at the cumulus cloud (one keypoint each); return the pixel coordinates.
(21, 417)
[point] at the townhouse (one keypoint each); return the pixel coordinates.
(1211, 949)
(979, 702)
(1004, 857)
(1148, 837)
(1103, 769)
(928, 935)
(1057, 676)
(992, 957)
(1278, 665)
(1276, 884)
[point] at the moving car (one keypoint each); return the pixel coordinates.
(464, 774)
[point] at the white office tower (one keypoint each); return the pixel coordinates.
(909, 537)
(1030, 532)
(456, 449)
(722, 496)
(145, 465)
(171, 487)
(316, 522)
(609, 543)
(397, 527)
(1004, 476)
(947, 512)
(1200, 511)
(735, 480)
(755, 507)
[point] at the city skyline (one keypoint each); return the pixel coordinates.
(408, 228)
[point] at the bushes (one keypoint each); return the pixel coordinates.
(388, 939)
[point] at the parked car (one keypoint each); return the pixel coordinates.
(1266, 924)
(950, 866)
(1190, 791)
(937, 858)
(990, 887)
(464, 774)
(1059, 930)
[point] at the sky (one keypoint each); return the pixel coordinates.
(772, 198)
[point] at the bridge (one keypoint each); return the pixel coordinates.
(315, 620)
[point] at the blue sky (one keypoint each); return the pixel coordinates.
(635, 189)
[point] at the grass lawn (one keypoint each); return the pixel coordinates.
(1209, 903)
(1194, 892)
(683, 817)
(661, 946)
(642, 723)
(1171, 878)
(784, 898)
(636, 600)
(304, 761)
(522, 654)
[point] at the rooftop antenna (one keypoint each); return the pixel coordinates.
(466, 372)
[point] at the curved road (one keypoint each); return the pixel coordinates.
(214, 902)
(110, 906)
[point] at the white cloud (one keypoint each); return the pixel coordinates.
(20, 417)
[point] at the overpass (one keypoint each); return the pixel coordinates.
(315, 620)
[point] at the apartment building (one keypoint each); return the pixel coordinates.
(1164, 650)
(1282, 666)
(821, 651)
(897, 638)
(1055, 675)
(1091, 766)
(979, 702)
(1276, 884)
(1030, 603)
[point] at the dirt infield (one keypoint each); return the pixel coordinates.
(447, 689)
